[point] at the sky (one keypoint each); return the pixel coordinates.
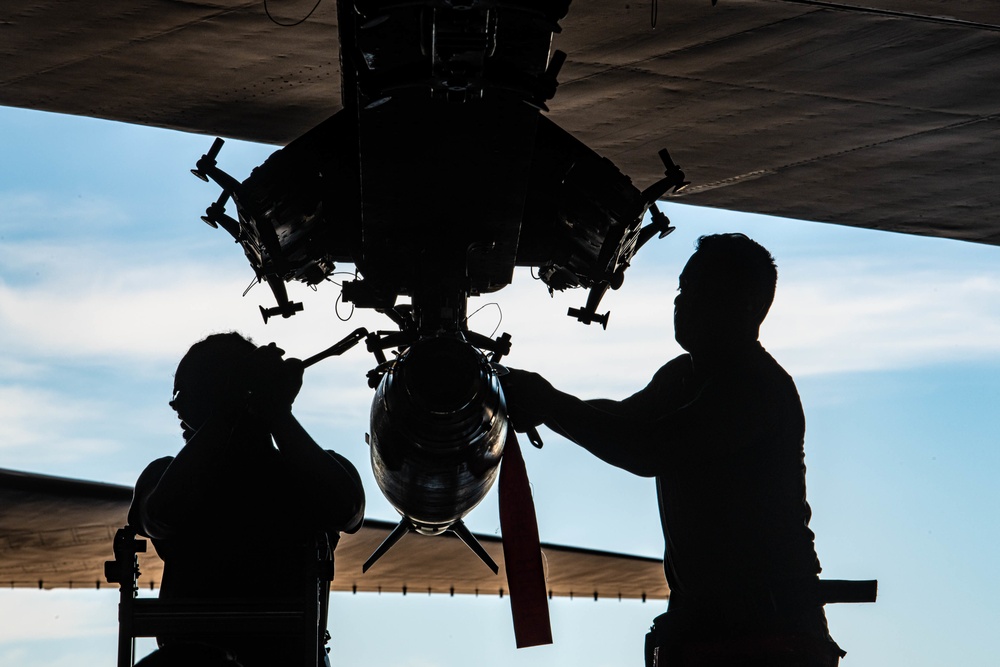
(107, 275)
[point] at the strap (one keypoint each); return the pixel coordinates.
(521, 550)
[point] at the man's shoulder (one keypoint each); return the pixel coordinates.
(674, 373)
(154, 470)
(671, 384)
(160, 463)
(751, 378)
(679, 365)
(768, 365)
(772, 386)
(344, 461)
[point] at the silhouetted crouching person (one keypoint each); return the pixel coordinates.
(237, 512)
(721, 428)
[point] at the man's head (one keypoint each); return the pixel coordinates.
(204, 376)
(725, 291)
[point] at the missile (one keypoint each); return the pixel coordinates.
(438, 428)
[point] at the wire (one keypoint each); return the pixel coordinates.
(353, 274)
(499, 310)
(336, 310)
(254, 282)
(336, 307)
(290, 25)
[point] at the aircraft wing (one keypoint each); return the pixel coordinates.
(883, 114)
(57, 533)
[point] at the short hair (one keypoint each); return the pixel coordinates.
(746, 266)
(213, 361)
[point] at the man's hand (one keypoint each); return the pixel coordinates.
(273, 382)
(528, 396)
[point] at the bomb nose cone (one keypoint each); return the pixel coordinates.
(441, 375)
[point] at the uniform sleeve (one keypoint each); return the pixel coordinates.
(352, 518)
(626, 433)
(138, 514)
(670, 386)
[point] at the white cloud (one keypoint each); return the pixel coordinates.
(19, 368)
(40, 424)
(828, 317)
(587, 358)
(137, 315)
(138, 312)
(31, 213)
(84, 303)
(131, 308)
(57, 615)
(142, 303)
(877, 317)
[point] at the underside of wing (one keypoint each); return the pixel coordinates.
(883, 114)
(443, 564)
(57, 533)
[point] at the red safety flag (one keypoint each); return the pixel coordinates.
(522, 553)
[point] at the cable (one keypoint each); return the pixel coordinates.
(499, 310)
(353, 274)
(253, 282)
(336, 309)
(290, 25)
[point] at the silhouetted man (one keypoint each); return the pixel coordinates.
(721, 428)
(236, 513)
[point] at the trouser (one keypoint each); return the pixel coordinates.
(685, 639)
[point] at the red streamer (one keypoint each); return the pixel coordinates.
(522, 552)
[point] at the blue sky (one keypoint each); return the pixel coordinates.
(108, 276)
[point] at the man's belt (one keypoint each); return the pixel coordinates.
(841, 590)
(786, 595)
(818, 592)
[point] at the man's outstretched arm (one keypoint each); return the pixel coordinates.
(608, 429)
